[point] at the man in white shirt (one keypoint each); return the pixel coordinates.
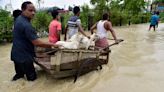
(103, 26)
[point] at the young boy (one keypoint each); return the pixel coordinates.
(74, 24)
(54, 27)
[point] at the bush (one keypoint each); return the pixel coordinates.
(84, 16)
(41, 21)
(135, 19)
(6, 23)
(161, 16)
(118, 18)
(141, 18)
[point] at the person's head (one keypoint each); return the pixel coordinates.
(157, 12)
(105, 16)
(28, 9)
(16, 13)
(55, 14)
(76, 10)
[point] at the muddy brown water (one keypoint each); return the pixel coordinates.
(136, 65)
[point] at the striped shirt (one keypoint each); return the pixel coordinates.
(73, 26)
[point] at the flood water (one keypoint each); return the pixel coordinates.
(136, 65)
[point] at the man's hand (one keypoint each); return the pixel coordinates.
(88, 37)
(117, 41)
(56, 46)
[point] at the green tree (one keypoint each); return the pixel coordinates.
(101, 6)
(41, 21)
(121, 11)
(159, 1)
(134, 6)
(84, 15)
(6, 22)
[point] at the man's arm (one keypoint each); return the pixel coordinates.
(82, 31)
(80, 28)
(59, 28)
(93, 27)
(58, 33)
(108, 26)
(32, 36)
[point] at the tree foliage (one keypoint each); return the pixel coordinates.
(101, 6)
(134, 6)
(41, 21)
(6, 22)
(84, 15)
(159, 1)
(121, 11)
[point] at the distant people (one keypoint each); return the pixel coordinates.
(24, 40)
(54, 27)
(16, 13)
(154, 21)
(103, 26)
(74, 24)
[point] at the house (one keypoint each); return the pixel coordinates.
(157, 6)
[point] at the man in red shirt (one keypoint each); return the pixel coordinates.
(54, 27)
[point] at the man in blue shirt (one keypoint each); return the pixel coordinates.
(24, 40)
(153, 21)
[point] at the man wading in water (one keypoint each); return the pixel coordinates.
(74, 25)
(103, 26)
(24, 40)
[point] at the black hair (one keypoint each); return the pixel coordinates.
(24, 5)
(157, 12)
(16, 13)
(76, 9)
(105, 16)
(54, 13)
